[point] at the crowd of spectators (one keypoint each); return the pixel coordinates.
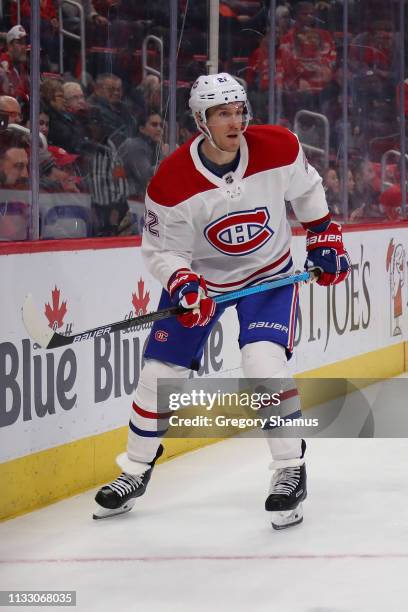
(106, 135)
(104, 138)
(308, 76)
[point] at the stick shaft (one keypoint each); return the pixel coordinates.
(58, 340)
(145, 319)
(281, 282)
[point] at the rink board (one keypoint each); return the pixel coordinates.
(63, 413)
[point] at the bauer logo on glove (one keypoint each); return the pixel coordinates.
(319, 239)
(189, 290)
(324, 244)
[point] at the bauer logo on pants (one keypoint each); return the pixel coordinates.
(240, 233)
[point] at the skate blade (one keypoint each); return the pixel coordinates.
(103, 513)
(290, 518)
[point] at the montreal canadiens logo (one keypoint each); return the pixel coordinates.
(241, 232)
(161, 335)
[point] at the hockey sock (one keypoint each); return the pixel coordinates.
(267, 360)
(148, 424)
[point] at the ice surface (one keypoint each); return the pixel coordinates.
(201, 540)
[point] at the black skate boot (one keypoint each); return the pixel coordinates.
(120, 495)
(286, 492)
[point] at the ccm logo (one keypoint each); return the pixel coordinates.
(161, 335)
(323, 239)
(268, 325)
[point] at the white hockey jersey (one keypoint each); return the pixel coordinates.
(232, 230)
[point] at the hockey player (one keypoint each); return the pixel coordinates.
(215, 222)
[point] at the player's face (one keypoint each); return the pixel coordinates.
(225, 123)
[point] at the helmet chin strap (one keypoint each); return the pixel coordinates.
(207, 133)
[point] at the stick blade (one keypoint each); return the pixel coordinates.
(36, 327)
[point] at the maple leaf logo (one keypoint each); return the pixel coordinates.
(55, 313)
(140, 299)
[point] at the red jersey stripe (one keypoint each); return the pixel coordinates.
(248, 278)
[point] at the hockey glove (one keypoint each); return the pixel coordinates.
(189, 290)
(324, 244)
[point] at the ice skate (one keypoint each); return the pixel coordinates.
(120, 495)
(286, 493)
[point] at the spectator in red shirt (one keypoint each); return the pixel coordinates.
(391, 203)
(375, 51)
(305, 61)
(47, 11)
(257, 74)
(374, 66)
(14, 75)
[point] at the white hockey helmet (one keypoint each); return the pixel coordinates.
(212, 90)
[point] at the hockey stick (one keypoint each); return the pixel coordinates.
(47, 338)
